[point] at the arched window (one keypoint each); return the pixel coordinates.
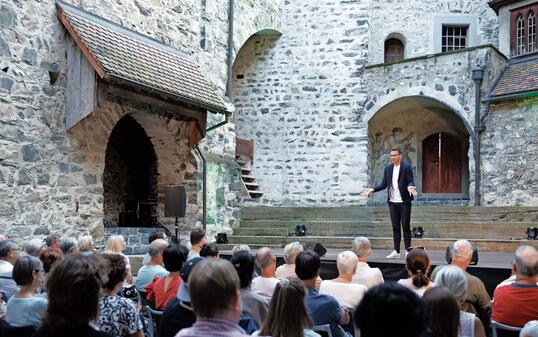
(520, 41)
(532, 32)
(394, 50)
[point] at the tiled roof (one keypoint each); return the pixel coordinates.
(120, 55)
(518, 78)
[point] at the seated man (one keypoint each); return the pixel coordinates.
(364, 274)
(178, 313)
(517, 304)
(154, 267)
(9, 254)
(265, 284)
(214, 291)
(324, 309)
(198, 238)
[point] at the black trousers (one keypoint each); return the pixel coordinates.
(400, 215)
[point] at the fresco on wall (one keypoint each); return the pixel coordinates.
(381, 146)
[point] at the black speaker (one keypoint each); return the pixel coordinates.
(175, 201)
(315, 246)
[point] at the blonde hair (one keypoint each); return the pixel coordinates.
(115, 243)
(346, 262)
(291, 251)
(85, 243)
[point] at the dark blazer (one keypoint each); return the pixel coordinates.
(405, 179)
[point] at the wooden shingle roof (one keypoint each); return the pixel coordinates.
(123, 56)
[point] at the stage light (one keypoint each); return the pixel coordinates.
(300, 230)
(418, 232)
(450, 249)
(532, 233)
(222, 238)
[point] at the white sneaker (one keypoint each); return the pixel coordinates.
(393, 255)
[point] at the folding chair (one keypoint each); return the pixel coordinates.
(503, 330)
(153, 320)
(324, 330)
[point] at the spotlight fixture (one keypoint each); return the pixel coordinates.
(222, 238)
(532, 233)
(418, 232)
(300, 230)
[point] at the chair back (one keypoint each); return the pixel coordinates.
(7, 330)
(503, 330)
(154, 319)
(324, 330)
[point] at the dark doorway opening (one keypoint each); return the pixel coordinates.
(441, 166)
(130, 177)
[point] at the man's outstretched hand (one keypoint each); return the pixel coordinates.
(412, 190)
(366, 191)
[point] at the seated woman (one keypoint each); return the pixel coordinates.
(116, 244)
(85, 245)
(287, 316)
(442, 313)
(49, 257)
(164, 289)
(346, 293)
(209, 250)
(73, 287)
(118, 315)
(418, 266)
(454, 279)
(25, 309)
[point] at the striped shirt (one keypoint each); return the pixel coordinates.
(213, 327)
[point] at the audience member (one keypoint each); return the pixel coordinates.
(154, 267)
(530, 329)
(74, 287)
(209, 250)
(237, 248)
(53, 240)
(165, 288)
(442, 313)
(288, 316)
(116, 244)
(85, 244)
(2, 237)
(252, 304)
(69, 245)
(50, 257)
(291, 251)
(390, 309)
(417, 264)
(214, 291)
(25, 309)
(265, 284)
(178, 314)
(346, 293)
(153, 235)
(477, 300)
(9, 254)
(324, 309)
(454, 279)
(117, 315)
(34, 247)
(370, 277)
(198, 238)
(516, 304)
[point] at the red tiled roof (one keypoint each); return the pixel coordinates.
(518, 78)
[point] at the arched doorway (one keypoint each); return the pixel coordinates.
(441, 164)
(130, 177)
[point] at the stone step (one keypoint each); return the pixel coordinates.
(247, 176)
(344, 242)
(255, 194)
(436, 230)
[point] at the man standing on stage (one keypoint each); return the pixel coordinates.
(398, 177)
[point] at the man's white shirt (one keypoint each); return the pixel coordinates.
(395, 195)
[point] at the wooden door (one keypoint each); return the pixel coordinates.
(441, 164)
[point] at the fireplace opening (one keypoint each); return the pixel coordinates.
(130, 177)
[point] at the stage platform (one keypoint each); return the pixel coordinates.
(492, 267)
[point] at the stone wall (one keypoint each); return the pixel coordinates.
(299, 98)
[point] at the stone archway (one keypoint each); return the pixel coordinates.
(410, 122)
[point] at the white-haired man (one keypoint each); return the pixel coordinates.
(477, 300)
(365, 275)
(287, 270)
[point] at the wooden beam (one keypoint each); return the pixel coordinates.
(93, 61)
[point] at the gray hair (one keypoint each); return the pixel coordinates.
(361, 246)
(68, 244)
(238, 248)
(23, 270)
(346, 262)
(530, 329)
(85, 243)
(265, 257)
(454, 279)
(463, 250)
(6, 246)
(527, 261)
(291, 251)
(32, 246)
(156, 247)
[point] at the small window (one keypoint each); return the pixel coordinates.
(453, 38)
(520, 41)
(394, 50)
(532, 32)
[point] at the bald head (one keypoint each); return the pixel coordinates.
(526, 261)
(266, 261)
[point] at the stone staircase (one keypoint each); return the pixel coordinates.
(249, 181)
(494, 229)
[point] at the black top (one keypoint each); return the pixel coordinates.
(176, 316)
(87, 331)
